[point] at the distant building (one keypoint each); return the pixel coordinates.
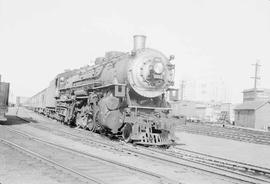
(202, 111)
(226, 113)
(183, 108)
(253, 114)
(206, 89)
(20, 100)
(256, 94)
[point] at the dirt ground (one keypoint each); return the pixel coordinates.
(19, 168)
(251, 153)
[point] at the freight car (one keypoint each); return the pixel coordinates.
(122, 94)
(4, 94)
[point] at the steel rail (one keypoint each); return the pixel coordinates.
(243, 177)
(232, 162)
(154, 175)
(37, 155)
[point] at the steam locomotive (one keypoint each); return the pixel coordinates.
(122, 95)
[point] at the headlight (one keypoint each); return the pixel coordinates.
(158, 68)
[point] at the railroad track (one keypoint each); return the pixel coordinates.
(91, 167)
(238, 134)
(227, 163)
(223, 167)
(26, 163)
(51, 162)
(221, 163)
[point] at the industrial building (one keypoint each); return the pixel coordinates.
(184, 108)
(258, 94)
(20, 100)
(210, 89)
(253, 114)
(207, 112)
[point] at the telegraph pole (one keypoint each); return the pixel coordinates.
(256, 77)
(182, 87)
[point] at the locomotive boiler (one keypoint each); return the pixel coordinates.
(123, 94)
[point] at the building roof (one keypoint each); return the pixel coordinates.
(251, 105)
(257, 90)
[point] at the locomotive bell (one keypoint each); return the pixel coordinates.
(139, 42)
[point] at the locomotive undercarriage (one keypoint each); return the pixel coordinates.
(147, 129)
(136, 127)
(101, 111)
(86, 117)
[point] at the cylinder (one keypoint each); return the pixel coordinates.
(139, 42)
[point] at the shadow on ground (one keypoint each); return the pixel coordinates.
(14, 120)
(29, 120)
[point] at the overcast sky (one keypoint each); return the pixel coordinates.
(217, 38)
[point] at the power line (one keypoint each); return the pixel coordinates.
(256, 77)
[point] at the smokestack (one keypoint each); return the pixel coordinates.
(139, 42)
